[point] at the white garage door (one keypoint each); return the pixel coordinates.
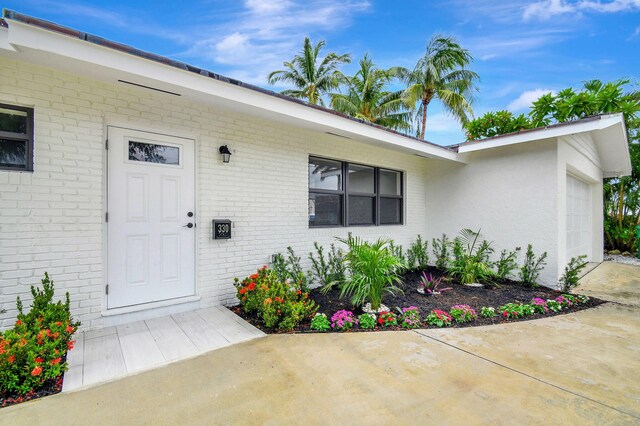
(579, 227)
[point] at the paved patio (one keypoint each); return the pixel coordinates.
(113, 352)
(581, 368)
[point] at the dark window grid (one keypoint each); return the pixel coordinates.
(27, 138)
(345, 195)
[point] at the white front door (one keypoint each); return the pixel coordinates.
(151, 217)
(579, 239)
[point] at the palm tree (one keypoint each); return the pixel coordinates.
(368, 99)
(311, 80)
(441, 74)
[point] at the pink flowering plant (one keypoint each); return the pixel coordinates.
(439, 318)
(387, 319)
(539, 305)
(565, 301)
(410, 317)
(343, 320)
(462, 313)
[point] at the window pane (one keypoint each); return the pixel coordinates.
(325, 174)
(150, 153)
(12, 120)
(390, 182)
(390, 211)
(325, 209)
(361, 179)
(361, 210)
(13, 154)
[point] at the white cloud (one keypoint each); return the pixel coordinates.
(546, 9)
(501, 44)
(441, 122)
(635, 34)
(264, 34)
(525, 100)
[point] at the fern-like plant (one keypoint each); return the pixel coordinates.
(418, 254)
(373, 271)
(440, 248)
(532, 266)
(571, 275)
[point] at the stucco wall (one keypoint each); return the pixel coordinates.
(508, 192)
(577, 155)
(53, 219)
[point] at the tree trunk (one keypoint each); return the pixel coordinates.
(424, 118)
(621, 203)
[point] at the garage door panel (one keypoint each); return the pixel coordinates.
(578, 223)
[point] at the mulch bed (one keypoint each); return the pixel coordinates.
(50, 387)
(476, 297)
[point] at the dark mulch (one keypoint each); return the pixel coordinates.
(495, 295)
(50, 387)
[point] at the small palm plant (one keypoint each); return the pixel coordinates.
(470, 262)
(374, 272)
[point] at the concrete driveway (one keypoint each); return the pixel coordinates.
(582, 368)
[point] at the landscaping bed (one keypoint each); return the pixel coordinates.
(488, 296)
(49, 387)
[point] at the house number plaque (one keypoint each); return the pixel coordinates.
(221, 229)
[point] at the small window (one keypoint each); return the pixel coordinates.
(152, 153)
(16, 138)
(344, 194)
(326, 194)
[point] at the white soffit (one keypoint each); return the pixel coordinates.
(77, 56)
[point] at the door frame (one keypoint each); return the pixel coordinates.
(157, 130)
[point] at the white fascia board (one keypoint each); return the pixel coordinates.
(544, 133)
(4, 40)
(21, 34)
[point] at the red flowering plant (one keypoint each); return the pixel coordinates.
(439, 318)
(278, 304)
(35, 349)
(387, 319)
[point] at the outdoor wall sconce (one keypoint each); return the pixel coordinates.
(226, 154)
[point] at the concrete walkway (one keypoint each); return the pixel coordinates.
(113, 352)
(581, 368)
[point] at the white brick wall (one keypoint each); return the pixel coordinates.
(52, 219)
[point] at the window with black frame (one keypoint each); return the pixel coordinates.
(349, 194)
(16, 138)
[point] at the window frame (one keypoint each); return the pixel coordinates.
(345, 193)
(21, 137)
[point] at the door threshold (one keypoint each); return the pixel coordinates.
(151, 305)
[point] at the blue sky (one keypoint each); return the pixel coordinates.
(522, 48)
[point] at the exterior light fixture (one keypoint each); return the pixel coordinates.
(226, 154)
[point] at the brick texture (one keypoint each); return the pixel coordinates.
(53, 219)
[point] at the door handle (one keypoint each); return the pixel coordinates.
(189, 225)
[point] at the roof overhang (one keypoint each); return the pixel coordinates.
(25, 41)
(608, 132)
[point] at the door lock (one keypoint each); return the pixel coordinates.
(190, 214)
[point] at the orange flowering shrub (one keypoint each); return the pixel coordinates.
(35, 349)
(281, 305)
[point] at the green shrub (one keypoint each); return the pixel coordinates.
(34, 350)
(373, 272)
(569, 279)
(530, 270)
(399, 253)
(278, 304)
(367, 321)
(320, 322)
(516, 310)
(418, 254)
(289, 269)
(470, 263)
(330, 270)
(488, 312)
(440, 248)
(506, 264)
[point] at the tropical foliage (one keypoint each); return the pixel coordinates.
(311, 76)
(368, 97)
(441, 74)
